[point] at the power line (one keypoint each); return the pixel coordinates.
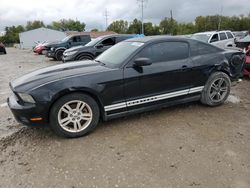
(142, 2)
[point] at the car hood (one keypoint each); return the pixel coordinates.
(54, 73)
(54, 44)
(78, 48)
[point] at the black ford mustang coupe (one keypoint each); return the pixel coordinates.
(133, 76)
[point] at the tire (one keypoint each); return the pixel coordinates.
(84, 57)
(73, 123)
(216, 90)
(59, 55)
(4, 51)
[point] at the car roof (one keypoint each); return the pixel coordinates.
(150, 39)
(117, 35)
(211, 32)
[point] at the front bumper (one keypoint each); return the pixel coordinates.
(50, 54)
(24, 113)
(68, 58)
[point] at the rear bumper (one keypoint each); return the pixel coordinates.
(247, 67)
(24, 113)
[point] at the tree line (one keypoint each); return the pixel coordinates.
(167, 26)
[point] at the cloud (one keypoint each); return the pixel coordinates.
(92, 12)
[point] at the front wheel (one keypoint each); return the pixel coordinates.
(74, 115)
(84, 57)
(216, 90)
(59, 55)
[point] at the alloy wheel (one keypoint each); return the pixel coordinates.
(218, 90)
(75, 116)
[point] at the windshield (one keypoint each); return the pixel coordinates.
(201, 37)
(66, 38)
(117, 54)
(94, 42)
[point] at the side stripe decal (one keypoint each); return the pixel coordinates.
(153, 98)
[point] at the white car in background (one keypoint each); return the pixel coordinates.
(222, 39)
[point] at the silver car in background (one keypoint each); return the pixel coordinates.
(222, 39)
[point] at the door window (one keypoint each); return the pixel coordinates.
(223, 36)
(166, 51)
(108, 42)
(214, 38)
(76, 39)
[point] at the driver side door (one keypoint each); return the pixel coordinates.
(104, 45)
(169, 75)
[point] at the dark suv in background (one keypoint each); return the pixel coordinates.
(94, 48)
(2, 48)
(55, 50)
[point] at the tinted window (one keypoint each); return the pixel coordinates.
(166, 51)
(199, 48)
(108, 42)
(85, 38)
(223, 36)
(76, 39)
(215, 38)
(229, 35)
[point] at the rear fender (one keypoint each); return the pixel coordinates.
(236, 62)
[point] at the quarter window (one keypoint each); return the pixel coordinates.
(166, 51)
(230, 35)
(223, 36)
(199, 48)
(84, 38)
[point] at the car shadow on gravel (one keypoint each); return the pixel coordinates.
(45, 133)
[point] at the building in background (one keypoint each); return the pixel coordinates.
(31, 38)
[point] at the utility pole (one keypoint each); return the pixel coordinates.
(142, 2)
(220, 16)
(106, 15)
(171, 18)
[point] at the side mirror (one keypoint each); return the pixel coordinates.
(99, 46)
(140, 62)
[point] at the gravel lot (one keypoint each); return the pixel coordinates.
(183, 146)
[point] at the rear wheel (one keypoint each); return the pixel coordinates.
(85, 57)
(59, 55)
(74, 115)
(216, 90)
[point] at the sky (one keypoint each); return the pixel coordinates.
(91, 12)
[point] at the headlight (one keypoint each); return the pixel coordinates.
(26, 97)
(52, 49)
(69, 53)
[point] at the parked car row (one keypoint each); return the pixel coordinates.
(133, 76)
(79, 47)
